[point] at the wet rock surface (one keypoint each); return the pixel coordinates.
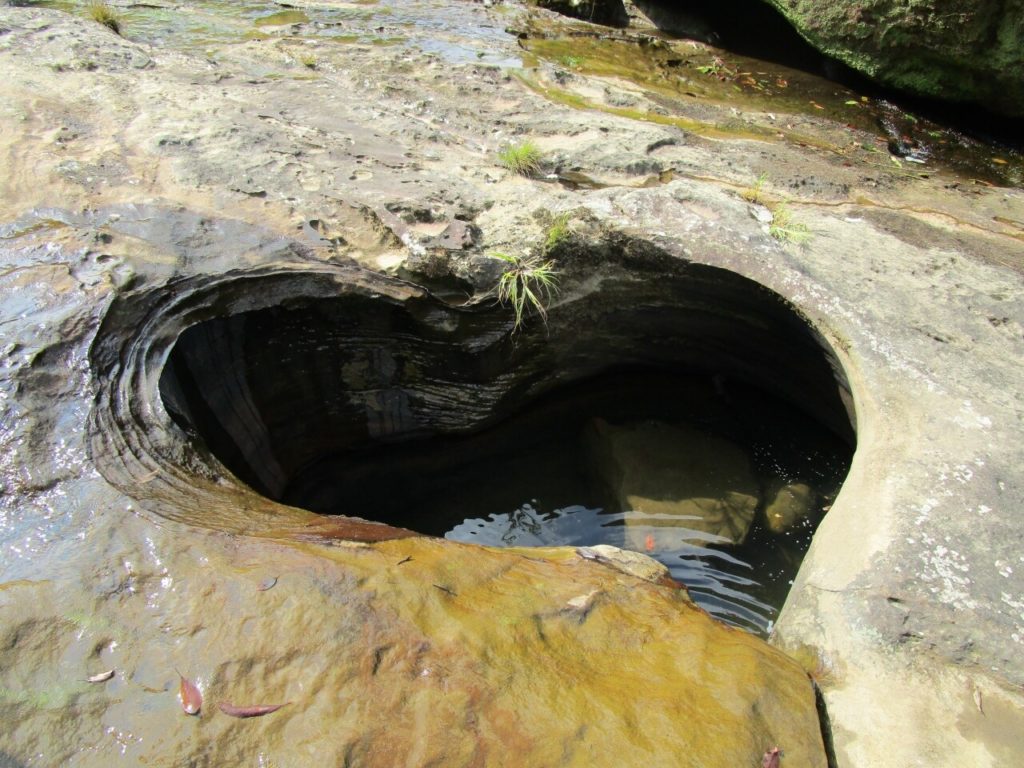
(148, 190)
(961, 52)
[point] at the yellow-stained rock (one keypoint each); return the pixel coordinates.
(414, 652)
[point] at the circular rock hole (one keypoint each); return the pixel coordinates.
(678, 410)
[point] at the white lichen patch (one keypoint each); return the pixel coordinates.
(945, 572)
(968, 418)
(1018, 606)
(924, 510)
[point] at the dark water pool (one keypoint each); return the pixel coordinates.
(564, 471)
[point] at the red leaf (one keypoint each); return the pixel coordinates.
(191, 697)
(771, 758)
(257, 710)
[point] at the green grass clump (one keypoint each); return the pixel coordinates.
(527, 283)
(308, 60)
(755, 192)
(784, 227)
(103, 14)
(559, 231)
(523, 158)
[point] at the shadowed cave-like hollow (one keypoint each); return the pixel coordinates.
(437, 419)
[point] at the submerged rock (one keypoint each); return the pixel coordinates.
(677, 471)
(788, 504)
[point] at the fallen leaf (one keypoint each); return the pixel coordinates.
(102, 677)
(649, 543)
(191, 697)
(998, 160)
(267, 583)
(582, 602)
(257, 710)
(771, 758)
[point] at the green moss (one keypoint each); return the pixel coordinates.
(282, 18)
(569, 99)
(558, 232)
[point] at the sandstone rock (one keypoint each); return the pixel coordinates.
(149, 188)
(415, 652)
(627, 561)
(677, 471)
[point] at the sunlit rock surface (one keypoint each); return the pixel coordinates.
(418, 652)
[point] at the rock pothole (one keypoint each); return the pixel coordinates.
(666, 407)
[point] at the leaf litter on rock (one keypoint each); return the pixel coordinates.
(256, 710)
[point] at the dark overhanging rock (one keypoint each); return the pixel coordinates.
(963, 51)
(272, 370)
(609, 12)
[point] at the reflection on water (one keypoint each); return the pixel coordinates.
(715, 578)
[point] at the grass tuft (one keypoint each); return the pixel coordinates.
(527, 283)
(755, 192)
(523, 158)
(103, 14)
(785, 228)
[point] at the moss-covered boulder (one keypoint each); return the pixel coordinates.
(958, 50)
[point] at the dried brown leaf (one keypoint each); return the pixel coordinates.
(256, 710)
